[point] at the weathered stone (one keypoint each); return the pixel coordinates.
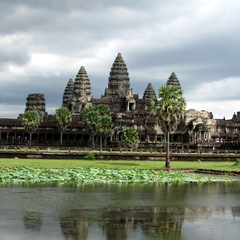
(149, 93)
(68, 93)
(118, 85)
(77, 95)
(173, 80)
(36, 102)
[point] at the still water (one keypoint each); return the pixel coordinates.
(120, 211)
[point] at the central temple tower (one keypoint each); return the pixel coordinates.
(118, 83)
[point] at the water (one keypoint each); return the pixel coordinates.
(120, 211)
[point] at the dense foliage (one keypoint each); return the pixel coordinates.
(63, 118)
(31, 122)
(93, 175)
(99, 122)
(129, 137)
(168, 110)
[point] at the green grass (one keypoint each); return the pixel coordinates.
(47, 163)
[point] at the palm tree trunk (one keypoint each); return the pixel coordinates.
(101, 142)
(93, 145)
(61, 137)
(105, 141)
(30, 139)
(167, 165)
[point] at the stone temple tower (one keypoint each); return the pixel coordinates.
(173, 80)
(77, 95)
(148, 94)
(68, 93)
(36, 102)
(118, 83)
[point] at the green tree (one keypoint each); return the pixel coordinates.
(90, 120)
(129, 137)
(168, 110)
(98, 121)
(63, 118)
(105, 124)
(30, 122)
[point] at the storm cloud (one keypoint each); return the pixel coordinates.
(44, 43)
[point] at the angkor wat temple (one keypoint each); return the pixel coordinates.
(127, 110)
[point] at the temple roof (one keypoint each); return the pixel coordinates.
(149, 93)
(82, 85)
(119, 70)
(67, 95)
(173, 80)
(36, 102)
(118, 82)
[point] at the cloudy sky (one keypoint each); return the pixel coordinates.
(44, 43)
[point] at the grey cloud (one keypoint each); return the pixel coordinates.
(154, 37)
(65, 6)
(207, 60)
(14, 53)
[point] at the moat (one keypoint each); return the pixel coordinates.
(120, 211)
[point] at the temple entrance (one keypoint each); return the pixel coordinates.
(131, 106)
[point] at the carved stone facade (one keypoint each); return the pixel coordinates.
(77, 94)
(36, 102)
(173, 80)
(118, 83)
(199, 125)
(127, 110)
(148, 94)
(67, 96)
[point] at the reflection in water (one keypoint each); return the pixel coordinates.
(120, 211)
(75, 227)
(236, 212)
(32, 220)
(151, 222)
(121, 224)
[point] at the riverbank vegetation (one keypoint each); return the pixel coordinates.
(95, 171)
(96, 175)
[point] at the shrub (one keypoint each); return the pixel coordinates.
(89, 157)
(129, 137)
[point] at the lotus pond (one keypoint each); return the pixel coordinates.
(94, 175)
(98, 204)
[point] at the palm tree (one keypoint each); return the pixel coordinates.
(168, 110)
(30, 122)
(90, 120)
(105, 123)
(63, 118)
(98, 121)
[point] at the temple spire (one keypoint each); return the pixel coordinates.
(173, 80)
(67, 95)
(149, 93)
(81, 92)
(82, 85)
(118, 82)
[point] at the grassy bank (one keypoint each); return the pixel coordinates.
(35, 163)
